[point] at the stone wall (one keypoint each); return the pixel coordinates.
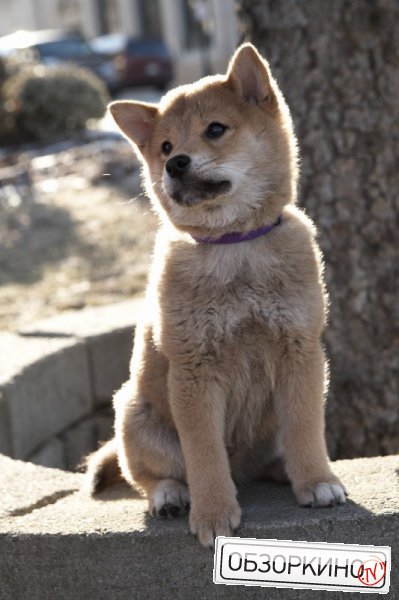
(57, 381)
(338, 66)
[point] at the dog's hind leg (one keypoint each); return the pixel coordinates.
(150, 455)
(167, 497)
(146, 450)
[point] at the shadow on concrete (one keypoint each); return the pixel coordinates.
(265, 505)
(272, 501)
(118, 491)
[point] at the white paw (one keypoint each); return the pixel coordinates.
(321, 494)
(169, 498)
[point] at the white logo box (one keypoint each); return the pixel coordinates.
(309, 565)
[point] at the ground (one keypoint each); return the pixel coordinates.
(75, 230)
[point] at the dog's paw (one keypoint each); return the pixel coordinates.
(208, 523)
(321, 493)
(169, 499)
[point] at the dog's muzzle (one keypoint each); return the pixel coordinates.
(188, 192)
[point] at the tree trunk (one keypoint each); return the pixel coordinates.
(338, 66)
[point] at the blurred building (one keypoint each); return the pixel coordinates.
(201, 34)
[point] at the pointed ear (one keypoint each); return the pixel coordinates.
(135, 119)
(249, 75)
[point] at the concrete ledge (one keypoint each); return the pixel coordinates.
(56, 379)
(107, 332)
(57, 543)
(45, 389)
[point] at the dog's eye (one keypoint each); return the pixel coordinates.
(215, 130)
(166, 147)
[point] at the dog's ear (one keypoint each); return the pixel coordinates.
(249, 75)
(135, 119)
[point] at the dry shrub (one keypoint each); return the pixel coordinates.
(44, 103)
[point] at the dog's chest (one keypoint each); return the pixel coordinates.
(224, 311)
(209, 314)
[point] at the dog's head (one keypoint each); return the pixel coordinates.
(219, 154)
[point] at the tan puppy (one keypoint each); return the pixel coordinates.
(228, 373)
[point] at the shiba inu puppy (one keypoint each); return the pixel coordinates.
(228, 373)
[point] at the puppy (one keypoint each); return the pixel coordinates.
(228, 373)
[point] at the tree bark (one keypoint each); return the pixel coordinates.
(338, 66)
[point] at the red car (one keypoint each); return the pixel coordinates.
(139, 61)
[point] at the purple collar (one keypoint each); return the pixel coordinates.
(235, 237)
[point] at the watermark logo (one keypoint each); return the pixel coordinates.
(372, 571)
(311, 565)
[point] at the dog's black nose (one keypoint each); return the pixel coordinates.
(177, 165)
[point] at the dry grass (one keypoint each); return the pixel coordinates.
(74, 240)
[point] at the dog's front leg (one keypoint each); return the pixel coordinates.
(197, 403)
(299, 404)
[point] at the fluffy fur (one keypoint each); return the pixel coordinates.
(228, 373)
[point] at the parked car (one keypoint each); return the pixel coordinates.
(140, 61)
(54, 47)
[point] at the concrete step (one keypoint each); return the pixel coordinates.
(58, 544)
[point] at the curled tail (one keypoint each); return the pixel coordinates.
(102, 468)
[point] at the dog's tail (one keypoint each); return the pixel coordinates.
(102, 468)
